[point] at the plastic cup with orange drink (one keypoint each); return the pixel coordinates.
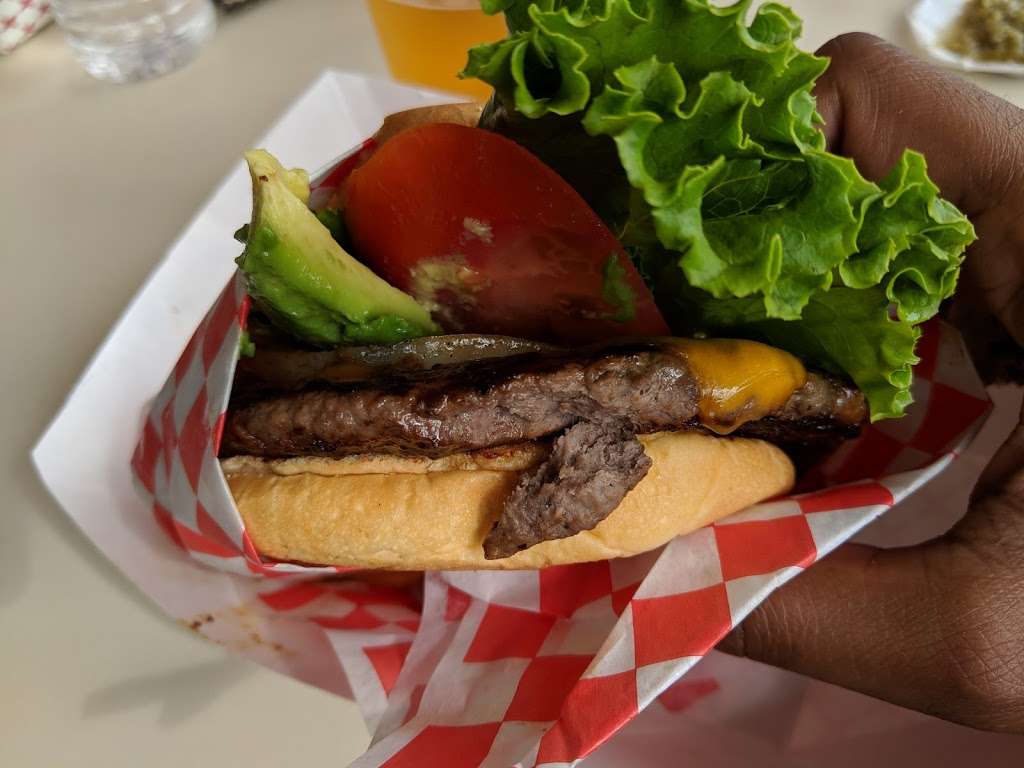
(425, 41)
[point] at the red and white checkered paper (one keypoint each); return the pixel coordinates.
(532, 668)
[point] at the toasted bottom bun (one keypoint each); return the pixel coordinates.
(424, 514)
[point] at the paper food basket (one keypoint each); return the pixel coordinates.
(496, 669)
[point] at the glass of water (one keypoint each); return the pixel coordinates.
(125, 40)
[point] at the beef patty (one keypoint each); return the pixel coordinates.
(486, 403)
(592, 402)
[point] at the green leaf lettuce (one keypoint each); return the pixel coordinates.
(724, 192)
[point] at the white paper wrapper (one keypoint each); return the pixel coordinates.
(496, 669)
(930, 22)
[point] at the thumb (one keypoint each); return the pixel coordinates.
(876, 100)
(918, 626)
(856, 619)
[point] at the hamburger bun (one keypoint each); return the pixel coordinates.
(414, 513)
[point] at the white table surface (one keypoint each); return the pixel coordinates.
(91, 673)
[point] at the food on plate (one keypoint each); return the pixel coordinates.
(989, 30)
(628, 298)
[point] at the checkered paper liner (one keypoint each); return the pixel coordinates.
(533, 668)
(19, 20)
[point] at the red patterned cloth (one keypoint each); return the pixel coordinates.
(19, 20)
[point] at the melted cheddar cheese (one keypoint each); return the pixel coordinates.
(739, 381)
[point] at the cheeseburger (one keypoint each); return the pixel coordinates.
(631, 295)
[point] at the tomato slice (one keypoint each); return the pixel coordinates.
(492, 240)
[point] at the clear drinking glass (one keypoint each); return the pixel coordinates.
(124, 40)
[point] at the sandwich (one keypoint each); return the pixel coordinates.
(632, 294)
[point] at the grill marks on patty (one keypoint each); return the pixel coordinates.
(592, 402)
(469, 406)
(486, 403)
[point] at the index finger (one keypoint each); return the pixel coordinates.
(878, 100)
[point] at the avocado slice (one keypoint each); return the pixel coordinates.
(304, 281)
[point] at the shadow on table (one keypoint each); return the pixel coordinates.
(180, 693)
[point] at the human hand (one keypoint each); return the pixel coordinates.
(938, 627)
